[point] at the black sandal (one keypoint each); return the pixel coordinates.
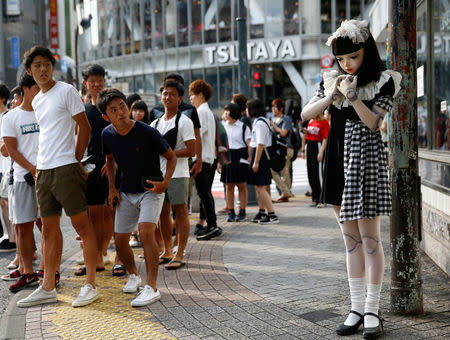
(119, 270)
(349, 330)
(82, 271)
(373, 332)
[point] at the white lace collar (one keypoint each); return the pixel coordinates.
(366, 92)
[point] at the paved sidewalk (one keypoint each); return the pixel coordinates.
(285, 281)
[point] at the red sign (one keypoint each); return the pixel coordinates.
(54, 39)
(326, 61)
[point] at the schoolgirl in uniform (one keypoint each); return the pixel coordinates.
(236, 171)
(259, 174)
(356, 178)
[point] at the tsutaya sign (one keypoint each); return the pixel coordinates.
(266, 50)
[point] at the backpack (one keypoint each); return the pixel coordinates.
(171, 135)
(276, 153)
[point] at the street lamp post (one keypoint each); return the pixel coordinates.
(406, 282)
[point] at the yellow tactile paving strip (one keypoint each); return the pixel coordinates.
(110, 317)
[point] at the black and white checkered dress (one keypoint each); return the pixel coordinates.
(367, 191)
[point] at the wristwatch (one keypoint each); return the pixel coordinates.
(351, 95)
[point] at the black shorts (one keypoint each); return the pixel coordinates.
(96, 189)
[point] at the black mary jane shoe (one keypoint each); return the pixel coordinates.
(373, 332)
(349, 330)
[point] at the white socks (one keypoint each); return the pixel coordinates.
(372, 305)
(357, 296)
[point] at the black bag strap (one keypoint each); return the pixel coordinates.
(176, 121)
(244, 127)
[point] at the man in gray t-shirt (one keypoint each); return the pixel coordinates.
(282, 125)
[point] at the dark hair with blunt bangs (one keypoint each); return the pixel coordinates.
(25, 81)
(175, 76)
(131, 98)
(372, 65)
(35, 51)
(4, 93)
(234, 109)
(140, 105)
(93, 70)
(107, 96)
(256, 108)
(175, 84)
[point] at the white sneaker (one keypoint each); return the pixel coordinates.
(132, 284)
(88, 294)
(80, 262)
(39, 296)
(145, 297)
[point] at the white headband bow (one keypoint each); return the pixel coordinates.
(355, 30)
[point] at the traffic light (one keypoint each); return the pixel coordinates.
(256, 79)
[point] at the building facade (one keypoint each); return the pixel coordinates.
(140, 41)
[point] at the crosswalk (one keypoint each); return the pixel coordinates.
(299, 183)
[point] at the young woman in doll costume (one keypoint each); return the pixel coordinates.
(356, 183)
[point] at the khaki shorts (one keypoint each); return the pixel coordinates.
(61, 187)
(178, 191)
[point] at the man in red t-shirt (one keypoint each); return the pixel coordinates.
(316, 132)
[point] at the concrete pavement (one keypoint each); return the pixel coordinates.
(284, 281)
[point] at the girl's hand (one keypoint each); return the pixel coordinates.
(320, 157)
(348, 83)
(255, 167)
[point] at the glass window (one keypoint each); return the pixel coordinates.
(340, 12)
(196, 74)
(211, 78)
(291, 17)
(274, 17)
(422, 93)
(182, 18)
(126, 21)
(257, 15)
(196, 30)
(147, 25)
(224, 20)
(441, 29)
(170, 20)
(226, 85)
(158, 24)
(139, 84)
(210, 21)
(149, 83)
(137, 27)
(325, 16)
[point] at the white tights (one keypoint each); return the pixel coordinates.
(365, 259)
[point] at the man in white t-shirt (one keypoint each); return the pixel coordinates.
(178, 130)
(20, 132)
(60, 178)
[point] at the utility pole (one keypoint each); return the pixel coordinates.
(242, 47)
(406, 282)
(243, 76)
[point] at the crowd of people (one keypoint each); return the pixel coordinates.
(122, 171)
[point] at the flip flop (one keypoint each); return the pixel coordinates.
(119, 270)
(164, 260)
(82, 271)
(179, 265)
